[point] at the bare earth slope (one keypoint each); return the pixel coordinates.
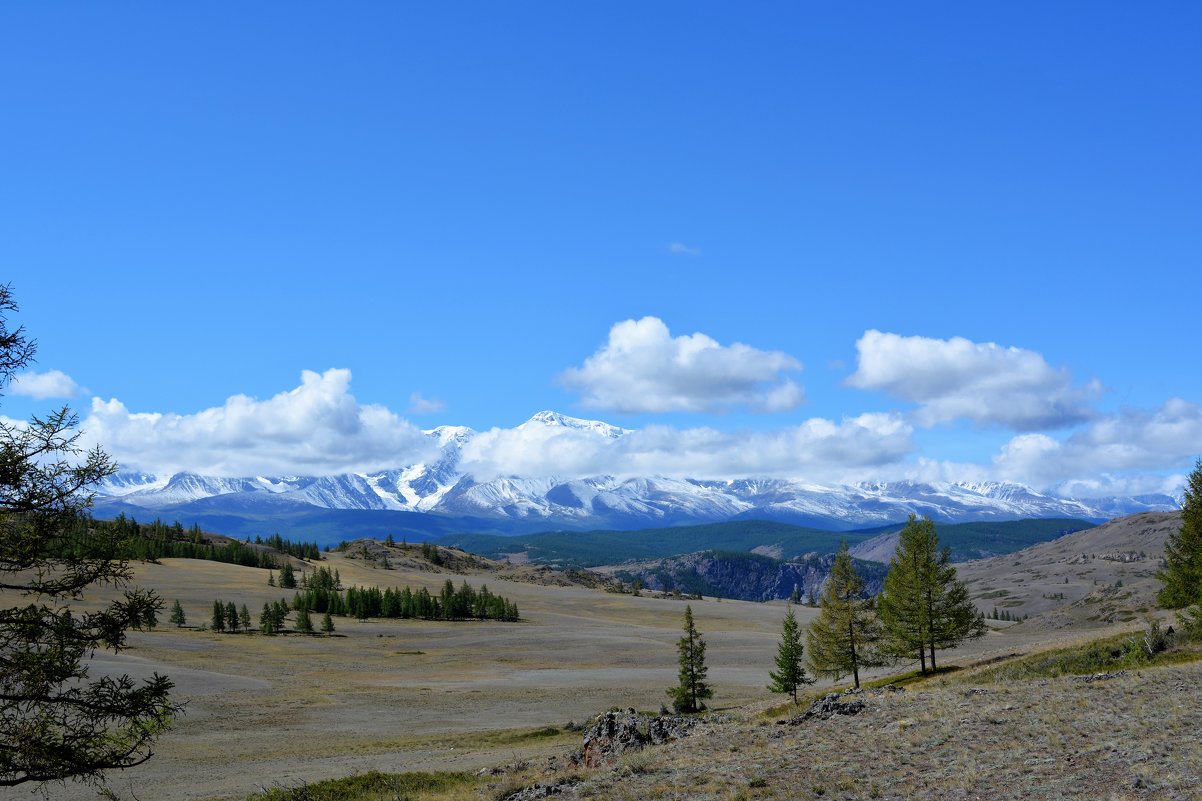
(1101, 575)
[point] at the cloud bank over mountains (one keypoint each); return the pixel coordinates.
(1061, 441)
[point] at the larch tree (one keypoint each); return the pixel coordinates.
(924, 607)
(844, 636)
(790, 673)
(57, 723)
(691, 691)
(244, 618)
(177, 614)
(1182, 573)
(304, 623)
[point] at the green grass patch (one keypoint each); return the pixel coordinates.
(373, 786)
(1104, 655)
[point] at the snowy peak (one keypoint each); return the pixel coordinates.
(450, 435)
(440, 486)
(555, 419)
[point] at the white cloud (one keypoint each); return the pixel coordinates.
(983, 382)
(681, 249)
(643, 368)
(818, 449)
(50, 384)
(421, 405)
(1103, 453)
(317, 428)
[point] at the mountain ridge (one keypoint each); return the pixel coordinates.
(517, 503)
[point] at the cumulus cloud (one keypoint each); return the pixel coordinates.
(422, 405)
(848, 450)
(643, 368)
(317, 428)
(1102, 454)
(983, 382)
(50, 384)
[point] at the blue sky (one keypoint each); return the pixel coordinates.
(954, 240)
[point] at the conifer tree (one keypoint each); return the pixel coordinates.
(303, 623)
(690, 693)
(1182, 573)
(231, 617)
(844, 636)
(327, 623)
(177, 614)
(244, 618)
(267, 619)
(218, 619)
(924, 607)
(287, 576)
(58, 723)
(790, 673)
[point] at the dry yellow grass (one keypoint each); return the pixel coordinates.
(409, 695)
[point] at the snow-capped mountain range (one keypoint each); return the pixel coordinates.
(522, 503)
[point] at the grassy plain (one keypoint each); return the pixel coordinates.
(409, 695)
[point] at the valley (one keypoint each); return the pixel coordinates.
(419, 695)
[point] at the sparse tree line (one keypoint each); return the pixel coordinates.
(227, 616)
(321, 593)
(150, 542)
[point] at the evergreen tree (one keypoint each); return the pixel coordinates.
(690, 693)
(924, 607)
(270, 579)
(795, 596)
(218, 619)
(244, 618)
(327, 623)
(150, 617)
(287, 577)
(1182, 573)
(279, 613)
(303, 623)
(231, 617)
(56, 723)
(267, 619)
(844, 636)
(790, 673)
(177, 614)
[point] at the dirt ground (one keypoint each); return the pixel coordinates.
(412, 695)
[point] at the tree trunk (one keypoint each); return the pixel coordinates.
(855, 665)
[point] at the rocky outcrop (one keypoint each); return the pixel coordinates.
(826, 708)
(618, 732)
